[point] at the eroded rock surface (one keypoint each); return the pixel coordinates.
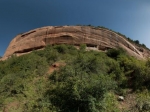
(94, 38)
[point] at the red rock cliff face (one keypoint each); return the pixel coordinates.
(94, 38)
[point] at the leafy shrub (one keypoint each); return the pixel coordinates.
(79, 95)
(61, 48)
(82, 47)
(49, 53)
(78, 87)
(143, 102)
(110, 103)
(114, 53)
(116, 72)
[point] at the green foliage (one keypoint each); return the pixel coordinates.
(137, 42)
(114, 53)
(143, 102)
(49, 53)
(17, 74)
(75, 90)
(137, 71)
(61, 48)
(143, 45)
(82, 47)
(87, 82)
(109, 103)
(148, 63)
(116, 72)
(81, 84)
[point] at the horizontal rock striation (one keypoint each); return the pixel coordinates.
(94, 38)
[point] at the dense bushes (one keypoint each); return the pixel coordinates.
(88, 81)
(80, 86)
(17, 75)
(114, 53)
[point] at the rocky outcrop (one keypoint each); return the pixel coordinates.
(94, 38)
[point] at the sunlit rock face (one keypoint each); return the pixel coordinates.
(95, 38)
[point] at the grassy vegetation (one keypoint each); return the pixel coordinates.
(89, 81)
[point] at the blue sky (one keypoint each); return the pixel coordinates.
(129, 17)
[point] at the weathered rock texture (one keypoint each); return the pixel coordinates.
(94, 38)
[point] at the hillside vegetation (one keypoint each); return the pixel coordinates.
(84, 81)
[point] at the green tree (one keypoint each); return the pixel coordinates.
(114, 53)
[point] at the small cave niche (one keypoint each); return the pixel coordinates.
(141, 50)
(57, 40)
(91, 45)
(104, 48)
(65, 37)
(29, 50)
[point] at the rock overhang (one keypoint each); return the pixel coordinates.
(98, 38)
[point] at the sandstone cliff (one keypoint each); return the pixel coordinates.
(94, 38)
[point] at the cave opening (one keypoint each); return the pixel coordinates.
(29, 49)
